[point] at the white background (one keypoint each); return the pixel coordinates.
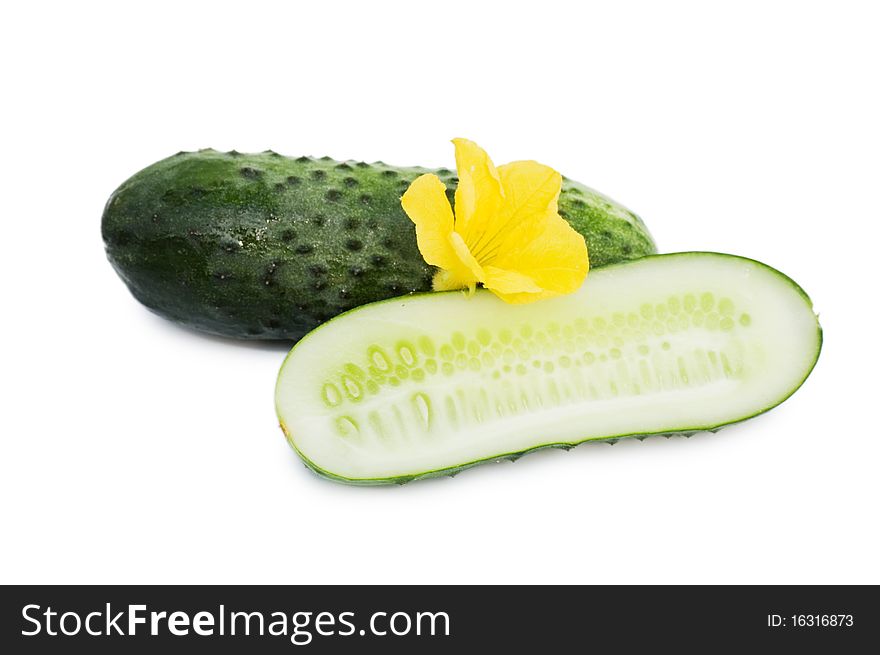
(137, 452)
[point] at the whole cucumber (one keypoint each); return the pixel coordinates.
(263, 246)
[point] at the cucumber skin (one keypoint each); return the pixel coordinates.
(509, 457)
(686, 432)
(263, 246)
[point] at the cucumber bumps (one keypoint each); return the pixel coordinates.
(268, 247)
(432, 384)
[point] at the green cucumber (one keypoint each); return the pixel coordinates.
(432, 384)
(268, 247)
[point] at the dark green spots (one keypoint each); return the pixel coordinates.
(288, 235)
(250, 173)
(344, 166)
(354, 245)
(365, 199)
(378, 260)
(222, 276)
(303, 159)
(362, 164)
(389, 173)
(293, 180)
(388, 242)
(318, 220)
(234, 153)
(318, 175)
(317, 270)
(319, 285)
(351, 223)
(280, 186)
(326, 158)
(305, 248)
(333, 195)
(350, 182)
(356, 271)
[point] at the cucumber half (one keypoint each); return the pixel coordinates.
(430, 384)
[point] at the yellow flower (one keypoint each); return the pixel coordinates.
(506, 232)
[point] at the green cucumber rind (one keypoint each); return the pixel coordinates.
(513, 456)
(262, 246)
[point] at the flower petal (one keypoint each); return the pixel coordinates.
(465, 257)
(426, 204)
(529, 188)
(548, 251)
(504, 281)
(505, 233)
(445, 280)
(531, 191)
(523, 298)
(478, 197)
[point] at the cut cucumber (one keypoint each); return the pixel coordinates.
(431, 384)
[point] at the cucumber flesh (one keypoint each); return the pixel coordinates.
(430, 384)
